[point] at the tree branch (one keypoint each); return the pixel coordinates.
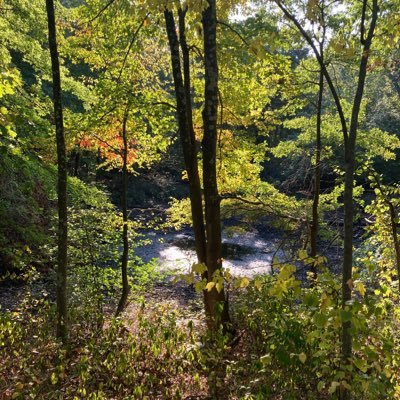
(327, 76)
(101, 11)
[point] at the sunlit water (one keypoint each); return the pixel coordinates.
(244, 254)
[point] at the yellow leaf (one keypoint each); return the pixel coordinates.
(361, 288)
(303, 254)
(302, 357)
(244, 282)
(258, 284)
(209, 286)
(286, 272)
(219, 287)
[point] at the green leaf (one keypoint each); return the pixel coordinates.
(361, 364)
(320, 319)
(333, 387)
(346, 315)
(199, 268)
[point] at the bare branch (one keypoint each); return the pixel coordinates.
(101, 11)
(131, 44)
(327, 76)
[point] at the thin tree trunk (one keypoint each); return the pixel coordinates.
(349, 139)
(98, 161)
(62, 307)
(349, 185)
(124, 204)
(393, 223)
(317, 176)
(209, 146)
(188, 140)
(396, 244)
(77, 157)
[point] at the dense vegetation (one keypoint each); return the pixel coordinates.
(122, 121)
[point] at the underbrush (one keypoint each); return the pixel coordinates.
(290, 345)
(151, 357)
(286, 346)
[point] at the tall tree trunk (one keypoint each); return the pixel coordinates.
(349, 138)
(124, 204)
(350, 152)
(317, 176)
(209, 146)
(188, 140)
(62, 307)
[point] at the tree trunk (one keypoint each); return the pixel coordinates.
(317, 176)
(124, 204)
(188, 140)
(62, 234)
(77, 157)
(216, 303)
(348, 189)
(396, 244)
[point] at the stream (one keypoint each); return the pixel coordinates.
(244, 254)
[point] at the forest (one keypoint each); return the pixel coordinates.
(200, 199)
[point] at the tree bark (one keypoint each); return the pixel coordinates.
(396, 244)
(216, 302)
(77, 157)
(124, 204)
(187, 136)
(349, 139)
(349, 185)
(317, 176)
(318, 146)
(62, 233)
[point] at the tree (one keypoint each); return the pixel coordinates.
(366, 35)
(208, 250)
(62, 256)
(209, 145)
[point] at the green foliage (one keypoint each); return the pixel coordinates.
(292, 347)
(152, 358)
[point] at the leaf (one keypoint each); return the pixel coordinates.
(302, 357)
(200, 285)
(199, 268)
(244, 282)
(361, 288)
(346, 315)
(209, 286)
(258, 284)
(266, 359)
(303, 254)
(325, 301)
(361, 364)
(219, 287)
(320, 320)
(53, 378)
(286, 272)
(333, 387)
(350, 283)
